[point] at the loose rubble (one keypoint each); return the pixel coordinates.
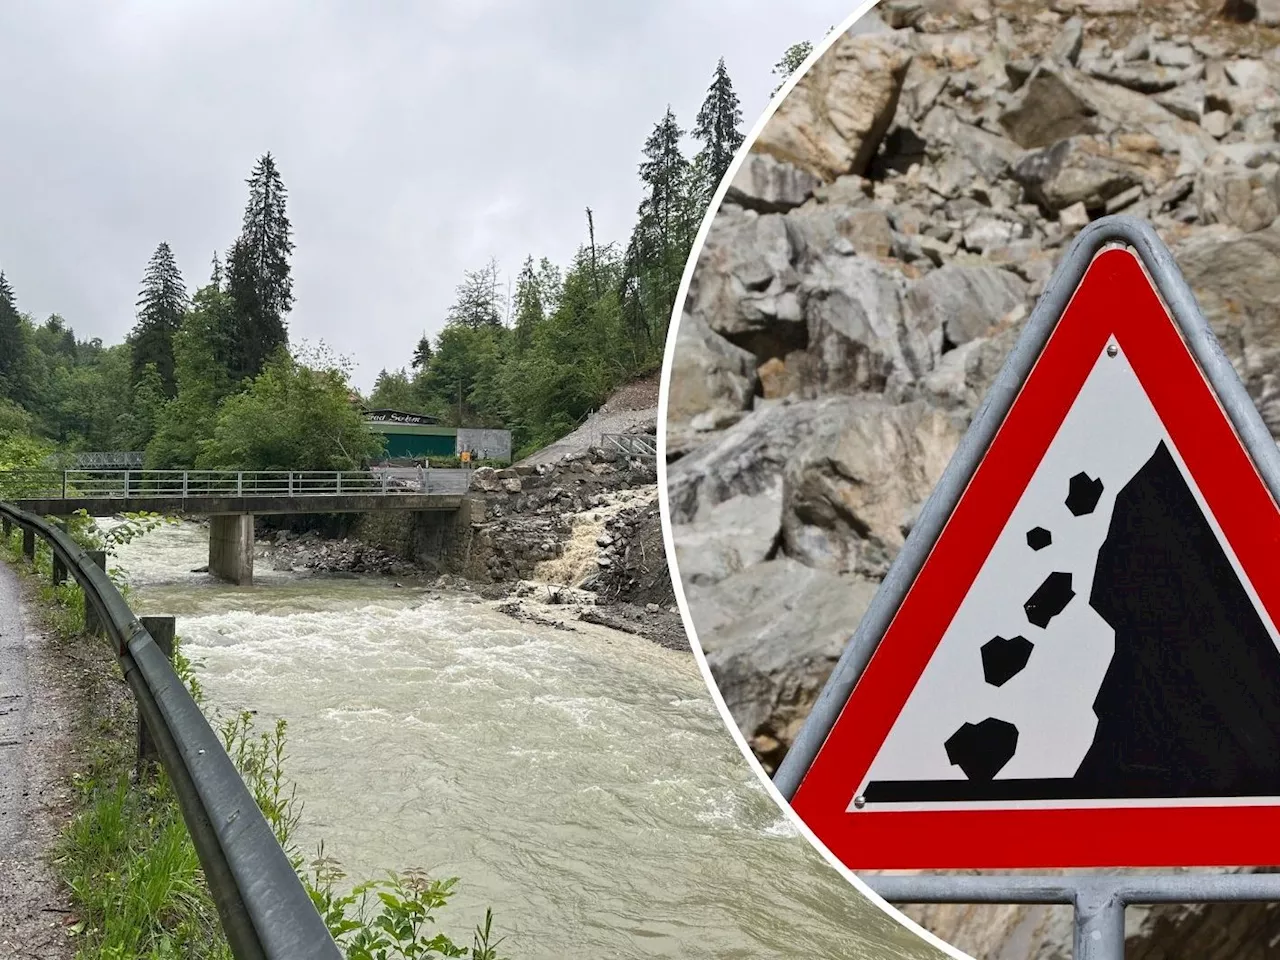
(872, 265)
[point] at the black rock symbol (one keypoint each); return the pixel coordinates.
(1038, 538)
(1004, 659)
(982, 749)
(1050, 599)
(1083, 494)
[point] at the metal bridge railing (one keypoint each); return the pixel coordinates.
(632, 444)
(134, 484)
(265, 910)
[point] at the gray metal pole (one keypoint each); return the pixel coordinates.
(1099, 922)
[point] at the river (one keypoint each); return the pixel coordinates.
(579, 781)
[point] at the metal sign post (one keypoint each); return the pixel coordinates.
(1119, 714)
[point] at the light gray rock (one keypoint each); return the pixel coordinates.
(1142, 76)
(728, 538)
(749, 457)
(1077, 170)
(956, 304)
(1237, 284)
(848, 489)
(1047, 110)
(1186, 101)
(768, 185)
(1247, 198)
(772, 635)
(747, 281)
(709, 375)
(1066, 49)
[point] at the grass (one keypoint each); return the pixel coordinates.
(126, 858)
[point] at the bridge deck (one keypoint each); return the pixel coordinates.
(215, 505)
(225, 492)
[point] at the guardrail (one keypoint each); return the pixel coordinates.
(133, 484)
(632, 444)
(265, 910)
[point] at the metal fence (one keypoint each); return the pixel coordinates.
(131, 459)
(135, 484)
(632, 444)
(264, 908)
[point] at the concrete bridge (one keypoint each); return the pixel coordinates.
(231, 498)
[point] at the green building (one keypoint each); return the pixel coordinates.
(412, 436)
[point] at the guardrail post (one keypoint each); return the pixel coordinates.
(6, 528)
(162, 631)
(59, 569)
(64, 484)
(29, 543)
(92, 625)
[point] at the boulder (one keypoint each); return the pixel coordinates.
(849, 489)
(486, 479)
(834, 119)
(1236, 281)
(1076, 170)
(772, 634)
(746, 283)
(1046, 111)
(728, 537)
(1243, 197)
(768, 185)
(956, 304)
(708, 373)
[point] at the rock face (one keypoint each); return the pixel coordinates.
(869, 271)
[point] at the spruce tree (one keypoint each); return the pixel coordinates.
(477, 304)
(12, 342)
(717, 127)
(162, 303)
(422, 353)
(258, 272)
(663, 235)
(529, 311)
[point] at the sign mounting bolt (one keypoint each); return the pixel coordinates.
(859, 802)
(1112, 349)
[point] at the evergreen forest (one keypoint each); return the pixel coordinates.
(208, 377)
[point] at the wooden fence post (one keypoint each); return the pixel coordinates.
(92, 625)
(29, 543)
(162, 631)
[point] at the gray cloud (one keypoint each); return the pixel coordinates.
(416, 140)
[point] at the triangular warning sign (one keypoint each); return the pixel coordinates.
(1075, 661)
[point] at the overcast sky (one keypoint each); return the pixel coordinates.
(416, 140)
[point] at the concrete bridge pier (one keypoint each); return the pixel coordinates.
(231, 547)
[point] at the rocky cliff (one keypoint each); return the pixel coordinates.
(873, 263)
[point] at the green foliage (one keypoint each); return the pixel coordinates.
(795, 55)
(293, 416)
(393, 391)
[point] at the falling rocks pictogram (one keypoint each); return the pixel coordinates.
(1003, 659)
(1190, 703)
(982, 749)
(1050, 599)
(1038, 538)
